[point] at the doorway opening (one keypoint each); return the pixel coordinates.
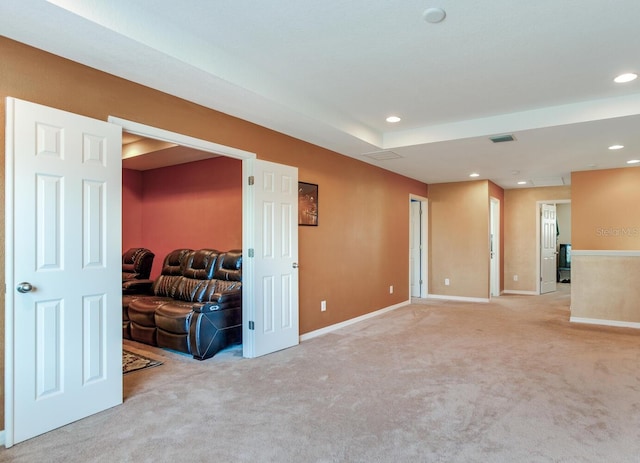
(553, 228)
(201, 149)
(494, 248)
(418, 247)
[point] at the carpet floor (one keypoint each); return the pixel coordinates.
(434, 381)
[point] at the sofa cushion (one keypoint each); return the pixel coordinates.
(141, 311)
(229, 266)
(174, 317)
(174, 263)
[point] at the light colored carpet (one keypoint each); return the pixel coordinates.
(508, 381)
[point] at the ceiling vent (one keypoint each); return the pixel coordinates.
(549, 181)
(382, 155)
(502, 138)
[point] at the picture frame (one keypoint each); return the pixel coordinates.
(307, 204)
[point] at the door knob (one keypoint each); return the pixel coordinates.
(295, 265)
(24, 287)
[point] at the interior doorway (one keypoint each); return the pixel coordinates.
(548, 240)
(494, 247)
(418, 248)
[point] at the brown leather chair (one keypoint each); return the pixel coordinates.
(208, 317)
(144, 296)
(136, 264)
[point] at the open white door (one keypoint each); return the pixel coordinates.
(548, 252)
(415, 249)
(494, 246)
(272, 251)
(63, 337)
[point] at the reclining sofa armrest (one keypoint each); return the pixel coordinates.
(137, 286)
(222, 300)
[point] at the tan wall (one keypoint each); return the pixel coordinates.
(360, 247)
(606, 218)
(606, 288)
(607, 215)
(459, 239)
(521, 231)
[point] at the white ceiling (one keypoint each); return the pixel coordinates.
(329, 72)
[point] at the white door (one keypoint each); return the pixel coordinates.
(548, 252)
(272, 322)
(415, 248)
(495, 247)
(63, 336)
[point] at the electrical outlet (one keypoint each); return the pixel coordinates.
(391, 289)
(323, 306)
(515, 278)
(446, 282)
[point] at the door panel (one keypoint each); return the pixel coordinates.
(64, 342)
(274, 315)
(415, 252)
(548, 252)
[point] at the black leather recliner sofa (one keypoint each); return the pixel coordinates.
(136, 264)
(194, 306)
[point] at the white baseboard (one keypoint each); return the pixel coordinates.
(598, 321)
(457, 298)
(328, 329)
(518, 292)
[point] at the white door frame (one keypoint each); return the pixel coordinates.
(424, 231)
(538, 247)
(247, 158)
(494, 229)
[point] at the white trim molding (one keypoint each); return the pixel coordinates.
(598, 321)
(520, 293)
(606, 252)
(337, 326)
(457, 298)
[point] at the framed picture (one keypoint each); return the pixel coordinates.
(307, 204)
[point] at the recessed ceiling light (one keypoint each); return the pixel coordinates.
(393, 119)
(624, 78)
(522, 182)
(474, 175)
(616, 147)
(633, 161)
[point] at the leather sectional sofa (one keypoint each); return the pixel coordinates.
(194, 306)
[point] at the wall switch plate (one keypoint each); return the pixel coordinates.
(391, 289)
(446, 282)
(515, 278)
(323, 306)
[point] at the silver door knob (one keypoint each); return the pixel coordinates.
(24, 287)
(295, 265)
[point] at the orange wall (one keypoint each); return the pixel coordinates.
(360, 247)
(521, 211)
(607, 217)
(459, 239)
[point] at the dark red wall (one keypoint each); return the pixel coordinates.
(131, 209)
(194, 205)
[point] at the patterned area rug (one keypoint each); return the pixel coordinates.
(134, 362)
